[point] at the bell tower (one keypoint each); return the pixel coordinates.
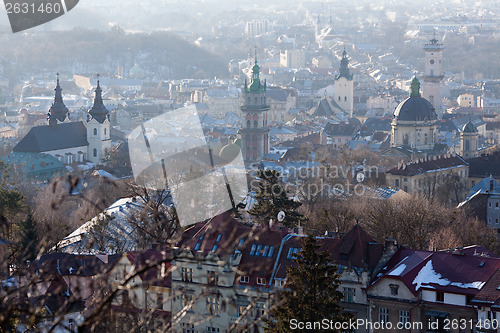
(469, 141)
(98, 129)
(254, 132)
(344, 86)
(433, 73)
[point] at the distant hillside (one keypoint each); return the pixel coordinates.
(81, 50)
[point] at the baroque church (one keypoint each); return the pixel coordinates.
(67, 141)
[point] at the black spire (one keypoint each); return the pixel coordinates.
(58, 111)
(344, 67)
(98, 110)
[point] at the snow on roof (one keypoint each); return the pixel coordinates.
(428, 276)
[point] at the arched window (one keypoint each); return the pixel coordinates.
(248, 123)
(95, 152)
(255, 123)
(339, 98)
(345, 98)
(248, 99)
(467, 145)
(105, 131)
(405, 139)
(95, 131)
(256, 100)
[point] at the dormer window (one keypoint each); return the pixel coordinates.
(292, 253)
(394, 289)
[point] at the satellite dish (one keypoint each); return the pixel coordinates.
(360, 177)
(281, 216)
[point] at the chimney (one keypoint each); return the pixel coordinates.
(491, 184)
(299, 231)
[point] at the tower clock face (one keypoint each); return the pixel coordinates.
(432, 61)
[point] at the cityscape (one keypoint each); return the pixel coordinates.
(216, 166)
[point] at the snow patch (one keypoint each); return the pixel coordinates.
(428, 275)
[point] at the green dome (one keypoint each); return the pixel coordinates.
(230, 152)
(469, 128)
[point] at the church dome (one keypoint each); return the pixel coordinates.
(469, 128)
(415, 107)
(230, 152)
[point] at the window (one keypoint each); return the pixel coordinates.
(105, 132)
(212, 330)
(405, 179)
(489, 204)
(159, 301)
(241, 310)
(261, 281)
(95, 152)
(292, 253)
(279, 283)
(405, 188)
(95, 131)
(394, 289)
(397, 182)
(212, 278)
(198, 244)
(383, 315)
(244, 279)
(187, 274)
(271, 251)
(349, 295)
(496, 221)
(213, 306)
(71, 324)
(266, 250)
(404, 316)
(260, 308)
(496, 204)
(187, 328)
(186, 301)
(259, 249)
(489, 220)
(252, 250)
(439, 296)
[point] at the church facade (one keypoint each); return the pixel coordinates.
(415, 122)
(71, 142)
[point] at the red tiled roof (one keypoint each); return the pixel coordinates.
(430, 164)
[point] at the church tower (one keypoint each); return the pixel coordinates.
(254, 132)
(344, 86)
(469, 141)
(58, 112)
(433, 73)
(98, 129)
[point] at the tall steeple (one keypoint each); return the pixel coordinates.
(256, 86)
(344, 67)
(58, 111)
(98, 110)
(254, 134)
